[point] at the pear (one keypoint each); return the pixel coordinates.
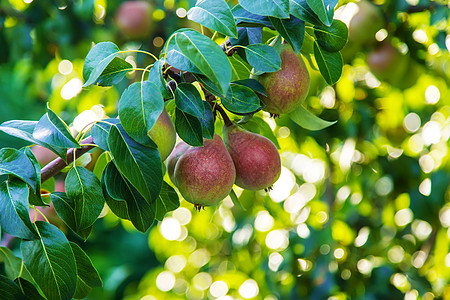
(205, 175)
(179, 150)
(288, 87)
(163, 134)
(255, 157)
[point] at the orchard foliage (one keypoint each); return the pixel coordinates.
(359, 209)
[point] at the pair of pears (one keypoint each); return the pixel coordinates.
(205, 175)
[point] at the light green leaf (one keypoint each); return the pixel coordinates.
(97, 60)
(309, 121)
(243, 100)
(263, 57)
(324, 9)
(17, 163)
(274, 8)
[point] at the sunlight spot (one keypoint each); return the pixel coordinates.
(277, 240)
(411, 295)
(426, 163)
(176, 263)
(381, 34)
(418, 259)
(343, 193)
(305, 265)
(384, 186)
(165, 281)
(432, 94)
(411, 122)
(403, 217)
(425, 187)
(299, 163)
(303, 231)
(282, 188)
(416, 143)
(183, 215)
(315, 171)
(431, 133)
(396, 254)
(444, 216)
(339, 253)
(218, 288)
(170, 229)
(421, 229)
(199, 258)
(242, 235)
(181, 12)
(346, 274)
(202, 281)
(364, 266)
(346, 156)
(433, 49)
(71, 88)
(249, 289)
(420, 36)
(371, 81)
(65, 67)
(328, 97)
(399, 281)
(263, 221)
(362, 237)
(322, 217)
(275, 260)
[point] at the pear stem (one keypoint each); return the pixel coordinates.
(224, 115)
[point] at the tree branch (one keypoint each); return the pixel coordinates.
(55, 166)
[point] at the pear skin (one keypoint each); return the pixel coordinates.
(179, 150)
(163, 134)
(255, 157)
(205, 175)
(288, 87)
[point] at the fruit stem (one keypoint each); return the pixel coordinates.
(224, 115)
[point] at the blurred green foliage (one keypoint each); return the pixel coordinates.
(361, 209)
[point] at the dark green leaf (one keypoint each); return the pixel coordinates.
(189, 128)
(51, 262)
(176, 58)
(309, 121)
(97, 60)
(244, 100)
(155, 76)
(167, 201)
(139, 164)
(245, 18)
(35, 198)
(253, 84)
(114, 72)
(209, 85)
(14, 211)
(301, 10)
(28, 289)
(292, 30)
(24, 130)
(117, 206)
(214, 14)
(324, 9)
(189, 100)
(65, 208)
(17, 163)
(206, 55)
(53, 131)
(100, 131)
(87, 275)
(207, 122)
(139, 107)
(13, 264)
(330, 63)
(332, 38)
(9, 290)
(84, 188)
(263, 58)
(140, 211)
(274, 8)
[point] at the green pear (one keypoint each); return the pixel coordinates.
(365, 23)
(179, 150)
(255, 157)
(288, 87)
(163, 134)
(205, 175)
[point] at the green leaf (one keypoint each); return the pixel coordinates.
(210, 86)
(207, 122)
(301, 10)
(244, 100)
(189, 100)
(176, 58)
(292, 30)
(259, 126)
(139, 211)
(118, 206)
(206, 55)
(114, 72)
(65, 208)
(84, 188)
(97, 60)
(53, 131)
(17, 163)
(274, 8)
(330, 63)
(13, 264)
(263, 57)
(253, 84)
(139, 164)
(245, 18)
(214, 14)
(101, 163)
(14, 211)
(100, 131)
(35, 198)
(324, 9)
(28, 289)
(235, 200)
(87, 275)
(239, 68)
(167, 201)
(51, 262)
(189, 128)
(332, 38)
(24, 130)
(155, 76)
(139, 107)
(10, 290)
(307, 120)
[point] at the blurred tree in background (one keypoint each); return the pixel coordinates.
(361, 209)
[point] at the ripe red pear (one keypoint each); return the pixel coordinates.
(205, 175)
(179, 150)
(288, 87)
(134, 19)
(163, 134)
(255, 157)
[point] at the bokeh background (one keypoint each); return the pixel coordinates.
(361, 209)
